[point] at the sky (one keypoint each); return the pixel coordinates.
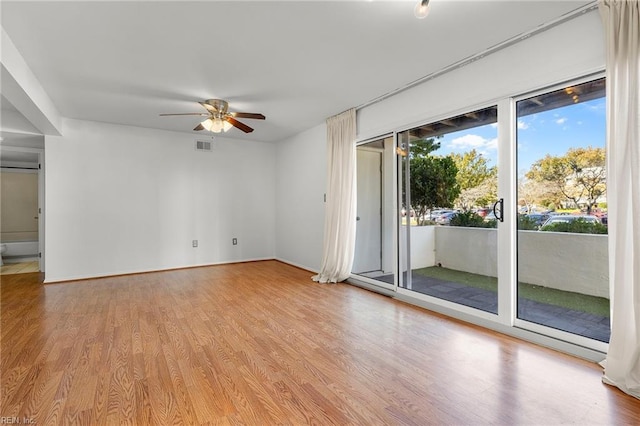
(551, 132)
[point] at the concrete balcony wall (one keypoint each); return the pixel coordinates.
(422, 246)
(472, 250)
(564, 261)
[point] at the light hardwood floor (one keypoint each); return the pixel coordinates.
(260, 343)
(19, 268)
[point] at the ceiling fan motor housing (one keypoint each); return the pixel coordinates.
(218, 104)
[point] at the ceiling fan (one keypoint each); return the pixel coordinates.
(219, 118)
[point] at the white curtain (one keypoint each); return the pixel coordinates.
(621, 20)
(340, 211)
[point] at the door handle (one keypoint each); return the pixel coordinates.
(495, 213)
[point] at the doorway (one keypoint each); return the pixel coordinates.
(368, 258)
(22, 194)
(448, 230)
(375, 252)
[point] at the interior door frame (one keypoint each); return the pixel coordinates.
(379, 165)
(367, 282)
(41, 197)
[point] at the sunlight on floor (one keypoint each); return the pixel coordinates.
(19, 268)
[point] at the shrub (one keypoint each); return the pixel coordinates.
(525, 223)
(578, 226)
(471, 220)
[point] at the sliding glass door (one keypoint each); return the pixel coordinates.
(498, 212)
(562, 264)
(448, 225)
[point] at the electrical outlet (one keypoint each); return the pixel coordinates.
(234, 241)
(194, 243)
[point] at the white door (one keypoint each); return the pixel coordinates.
(368, 254)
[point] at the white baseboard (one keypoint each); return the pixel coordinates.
(297, 265)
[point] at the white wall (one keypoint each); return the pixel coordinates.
(122, 199)
(567, 51)
(300, 187)
(473, 250)
(570, 50)
(423, 246)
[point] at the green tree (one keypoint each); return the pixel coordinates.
(423, 147)
(478, 181)
(540, 193)
(579, 175)
(433, 178)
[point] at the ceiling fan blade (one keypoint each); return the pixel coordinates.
(199, 127)
(186, 113)
(252, 115)
(238, 124)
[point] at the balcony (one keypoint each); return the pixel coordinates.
(562, 277)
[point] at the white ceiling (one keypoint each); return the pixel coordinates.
(297, 62)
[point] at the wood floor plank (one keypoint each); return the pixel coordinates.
(260, 343)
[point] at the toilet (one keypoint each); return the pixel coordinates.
(3, 248)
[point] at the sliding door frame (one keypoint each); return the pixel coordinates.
(522, 323)
(506, 320)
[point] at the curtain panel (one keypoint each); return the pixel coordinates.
(340, 210)
(621, 22)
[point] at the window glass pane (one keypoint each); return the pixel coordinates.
(450, 184)
(562, 206)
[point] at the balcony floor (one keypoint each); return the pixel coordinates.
(576, 322)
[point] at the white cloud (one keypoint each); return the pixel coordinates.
(598, 107)
(470, 141)
(522, 125)
(561, 120)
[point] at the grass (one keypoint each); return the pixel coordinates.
(566, 299)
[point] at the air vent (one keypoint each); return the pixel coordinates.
(203, 146)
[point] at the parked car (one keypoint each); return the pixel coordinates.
(445, 218)
(404, 212)
(436, 213)
(490, 216)
(482, 212)
(568, 219)
(538, 218)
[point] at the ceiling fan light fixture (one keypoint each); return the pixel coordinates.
(422, 9)
(217, 125)
(207, 124)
